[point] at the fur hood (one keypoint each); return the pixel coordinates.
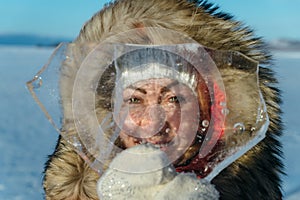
(256, 174)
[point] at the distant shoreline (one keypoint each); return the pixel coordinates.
(285, 54)
(31, 40)
(50, 41)
(276, 53)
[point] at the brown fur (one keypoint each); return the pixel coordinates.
(256, 175)
(68, 177)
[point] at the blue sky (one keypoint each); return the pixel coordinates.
(271, 19)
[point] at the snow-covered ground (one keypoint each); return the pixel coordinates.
(26, 137)
(288, 73)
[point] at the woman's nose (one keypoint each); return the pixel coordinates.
(152, 114)
(152, 120)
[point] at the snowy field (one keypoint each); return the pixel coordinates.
(26, 137)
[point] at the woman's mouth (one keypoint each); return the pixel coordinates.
(163, 139)
(162, 145)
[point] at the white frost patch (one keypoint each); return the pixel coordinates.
(144, 172)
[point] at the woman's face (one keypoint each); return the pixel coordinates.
(160, 111)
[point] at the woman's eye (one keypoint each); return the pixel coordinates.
(133, 100)
(173, 99)
(176, 99)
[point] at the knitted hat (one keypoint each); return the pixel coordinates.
(154, 63)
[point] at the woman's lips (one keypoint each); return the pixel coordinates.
(161, 140)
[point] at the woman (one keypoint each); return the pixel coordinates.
(255, 175)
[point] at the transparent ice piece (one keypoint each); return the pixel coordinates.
(80, 88)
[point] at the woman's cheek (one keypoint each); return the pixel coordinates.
(186, 115)
(127, 140)
(174, 118)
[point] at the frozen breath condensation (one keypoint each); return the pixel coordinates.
(144, 172)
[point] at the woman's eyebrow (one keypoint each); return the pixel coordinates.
(167, 87)
(141, 90)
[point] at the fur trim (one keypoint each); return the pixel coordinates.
(256, 175)
(68, 177)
